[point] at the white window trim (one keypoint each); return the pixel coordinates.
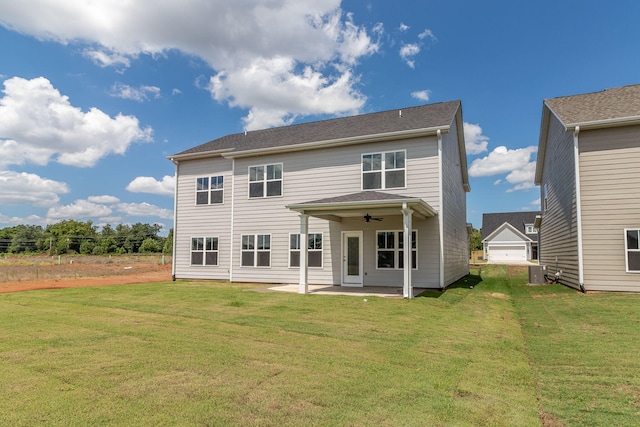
(396, 251)
(255, 250)
(204, 251)
(265, 181)
(209, 190)
(627, 250)
(383, 170)
(321, 250)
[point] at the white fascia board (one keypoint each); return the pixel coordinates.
(202, 155)
(607, 123)
(418, 205)
(413, 133)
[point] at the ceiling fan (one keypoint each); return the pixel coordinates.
(368, 218)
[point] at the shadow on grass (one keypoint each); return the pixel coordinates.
(468, 282)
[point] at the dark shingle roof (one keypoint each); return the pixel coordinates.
(363, 196)
(617, 103)
(491, 221)
(412, 118)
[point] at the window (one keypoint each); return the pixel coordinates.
(265, 181)
(632, 250)
(209, 190)
(256, 250)
(390, 250)
(314, 250)
(545, 194)
(383, 170)
(204, 251)
(530, 229)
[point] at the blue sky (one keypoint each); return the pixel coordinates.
(96, 95)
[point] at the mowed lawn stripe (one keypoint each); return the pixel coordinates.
(214, 353)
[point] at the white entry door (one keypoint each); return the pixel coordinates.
(352, 258)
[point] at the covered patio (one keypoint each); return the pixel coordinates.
(367, 205)
(369, 291)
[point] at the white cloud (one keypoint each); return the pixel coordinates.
(536, 203)
(104, 58)
(18, 188)
(475, 141)
(141, 94)
(39, 123)
(273, 91)
(403, 27)
(144, 210)
(15, 220)
(422, 95)
(78, 209)
(408, 51)
(319, 43)
(517, 164)
(105, 199)
(147, 184)
(427, 33)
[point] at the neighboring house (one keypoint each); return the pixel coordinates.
(510, 236)
(359, 190)
(588, 174)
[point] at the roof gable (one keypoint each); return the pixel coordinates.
(492, 221)
(506, 227)
(430, 116)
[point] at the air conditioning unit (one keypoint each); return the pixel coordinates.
(536, 274)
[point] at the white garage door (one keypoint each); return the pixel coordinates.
(507, 253)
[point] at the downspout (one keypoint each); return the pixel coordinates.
(231, 236)
(576, 155)
(175, 222)
(441, 216)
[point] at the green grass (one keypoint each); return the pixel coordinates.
(206, 353)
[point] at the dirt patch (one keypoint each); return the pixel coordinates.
(30, 273)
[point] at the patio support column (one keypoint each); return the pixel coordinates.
(303, 287)
(407, 214)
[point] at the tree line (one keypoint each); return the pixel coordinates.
(70, 236)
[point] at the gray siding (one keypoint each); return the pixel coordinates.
(558, 232)
(454, 212)
(202, 220)
(322, 173)
(610, 203)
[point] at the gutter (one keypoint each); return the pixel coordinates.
(576, 155)
(412, 133)
(175, 223)
(441, 217)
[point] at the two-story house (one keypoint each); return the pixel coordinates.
(510, 236)
(370, 200)
(587, 170)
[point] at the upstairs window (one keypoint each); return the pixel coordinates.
(384, 170)
(530, 229)
(209, 190)
(265, 181)
(632, 250)
(314, 250)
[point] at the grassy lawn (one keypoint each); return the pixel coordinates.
(499, 353)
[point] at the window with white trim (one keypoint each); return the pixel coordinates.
(530, 229)
(209, 190)
(204, 251)
(384, 170)
(265, 181)
(632, 249)
(390, 250)
(256, 250)
(314, 250)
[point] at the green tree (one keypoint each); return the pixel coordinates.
(475, 240)
(168, 243)
(69, 234)
(149, 246)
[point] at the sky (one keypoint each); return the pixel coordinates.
(95, 95)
